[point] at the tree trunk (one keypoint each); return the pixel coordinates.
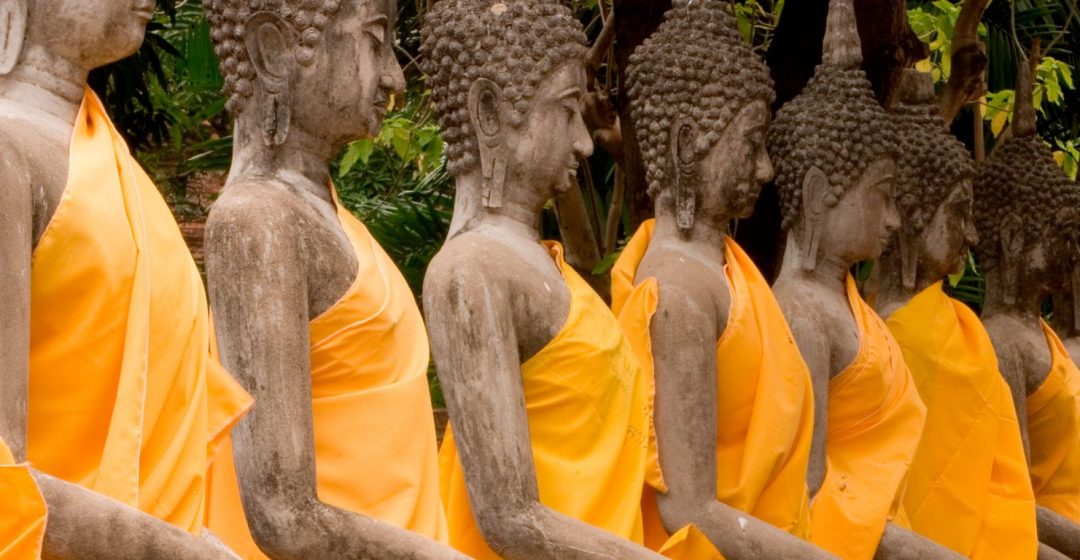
(635, 20)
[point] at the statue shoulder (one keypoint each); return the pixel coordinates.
(468, 261)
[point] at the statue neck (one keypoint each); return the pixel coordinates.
(518, 215)
(706, 237)
(1027, 305)
(892, 294)
(302, 161)
(46, 85)
(831, 272)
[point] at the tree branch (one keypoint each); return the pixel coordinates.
(967, 81)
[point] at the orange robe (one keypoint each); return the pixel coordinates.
(875, 422)
(765, 413)
(22, 525)
(375, 450)
(969, 487)
(124, 397)
(586, 425)
(1053, 412)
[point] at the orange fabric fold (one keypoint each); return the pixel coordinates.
(765, 415)
(1053, 412)
(875, 422)
(968, 488)
(583, 400)
(125, 398)
(375, 450)
(23, 513)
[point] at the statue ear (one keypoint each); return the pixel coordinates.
(683, 137)
(1012, 254)
(269, 42)
(486, 116)
(13, 15)
(815, 187)
(909, 258)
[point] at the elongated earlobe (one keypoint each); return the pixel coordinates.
(486, 116)
(1012, 255)
(683, 139)
(909, 260)
(814, 188)
(13, 15)
(268, 39)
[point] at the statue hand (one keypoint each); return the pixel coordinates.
(216, 545)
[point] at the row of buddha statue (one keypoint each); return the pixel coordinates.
(705, 414)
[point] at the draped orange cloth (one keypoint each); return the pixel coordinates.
(23, 513)
(1053, 412)
(586, 424)
(375, 450)
(968, 488)
(124, 397)
(765, 412)
(875, 421)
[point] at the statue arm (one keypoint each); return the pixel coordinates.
(814, 345)
(81, 523)
(684, 343)
(898, 543)
(1058, 532)
(85, 525)
(476, 353)
(16, 249)
(258, 292)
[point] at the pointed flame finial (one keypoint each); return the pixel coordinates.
(842, 46)
(1024, 120)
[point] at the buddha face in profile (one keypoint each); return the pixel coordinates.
(91, 33)
(945, 241)
(1026, 213)
(545, 149)
(700, 98)
(934, 189)
(326, 67)
(508, 80)
(835, 151)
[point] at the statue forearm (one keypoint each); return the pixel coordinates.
(539, 532)
(1047, 553)
(901, 544)
(737, 534)
(85, 525)
(318, 530)
(1058, 532)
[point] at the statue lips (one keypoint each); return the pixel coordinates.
(144, 9)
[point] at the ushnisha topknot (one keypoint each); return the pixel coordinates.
(695, 65)
(227, 19)
(514, 43)
(1021, 179)
(931, 161)
(835, 124)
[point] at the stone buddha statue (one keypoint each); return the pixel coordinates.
(545, 454)
(338, 458)
(108, 394)
(971, 450)
(732, 459)
(835, 153)
(1025, 211)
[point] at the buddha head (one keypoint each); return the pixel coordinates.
(933, 187)
(508, 81)
(325, 67)
(834, 149)
(700, 100)
(1026, 210)
(86, 33)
